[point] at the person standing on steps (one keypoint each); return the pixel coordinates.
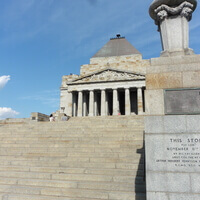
(65, 117)
(51, 118)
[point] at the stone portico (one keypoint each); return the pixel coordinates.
(112, 84)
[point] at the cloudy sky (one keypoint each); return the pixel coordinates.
(41, 40)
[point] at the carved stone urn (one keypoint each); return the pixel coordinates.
(172, 17)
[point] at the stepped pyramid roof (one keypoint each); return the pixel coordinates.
(118, 46)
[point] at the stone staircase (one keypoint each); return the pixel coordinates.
(89, 158)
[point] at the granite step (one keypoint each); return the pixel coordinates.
(82, 159)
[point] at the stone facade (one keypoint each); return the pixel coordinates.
(109, 85)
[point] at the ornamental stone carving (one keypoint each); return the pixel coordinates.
(110, 75)
(161, 9)
(184, 10)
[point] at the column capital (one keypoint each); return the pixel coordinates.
(161, 9)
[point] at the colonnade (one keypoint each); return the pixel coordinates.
(118, 101)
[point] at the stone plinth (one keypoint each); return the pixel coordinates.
(172, 157)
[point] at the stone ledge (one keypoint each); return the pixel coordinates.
(175, 60)
(171, 124)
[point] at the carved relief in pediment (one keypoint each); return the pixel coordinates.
(110, 75)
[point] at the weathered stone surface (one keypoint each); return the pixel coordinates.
(172, 61)
(133, 63)
(191, 79)
(164, 80)
(154, 101)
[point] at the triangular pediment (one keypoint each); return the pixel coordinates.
(109, 75)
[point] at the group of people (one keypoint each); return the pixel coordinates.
(63, 118)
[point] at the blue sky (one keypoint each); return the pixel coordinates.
(42, 40)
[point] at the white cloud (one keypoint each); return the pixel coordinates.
(3, 81)
(7, 113)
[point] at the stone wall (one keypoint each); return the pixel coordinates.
(168, 73)
(133, 63)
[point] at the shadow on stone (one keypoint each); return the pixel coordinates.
(140, 183)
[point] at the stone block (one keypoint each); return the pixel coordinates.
(154, 124)
(157, 196)
(176, 60)
(175, 124)
(184, 196)
(47, 183)
(81, 177)
(164, 80)
(193, 123)
(191, 79)
(195, 184)
(78, 193)
(173, 68)
(121, 195)
(168, 182)
(154, 102)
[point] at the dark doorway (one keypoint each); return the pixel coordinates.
(109, 96)
(87, 102)
(134, 102)
(121, 98)
(98, 96)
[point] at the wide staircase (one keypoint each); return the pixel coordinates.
(89, 158)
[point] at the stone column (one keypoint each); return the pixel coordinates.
(95, 104)
(74, 104)
(91, 103)
(127, 102)
(80, 104)
(69, 105)
(106, 104)
(84, 104)
(172, 18)
(140, 102)
(103, 102)
(115, 102)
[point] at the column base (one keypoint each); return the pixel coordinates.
(182, 52)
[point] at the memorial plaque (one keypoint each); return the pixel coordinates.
(175, 153)
(182, 101)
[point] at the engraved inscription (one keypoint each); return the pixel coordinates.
(182, 152)
(184, 101)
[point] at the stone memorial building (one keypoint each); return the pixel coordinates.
(151, 157)
(112, 84)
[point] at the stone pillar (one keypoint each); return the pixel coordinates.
(91, 103)
(74, 104)
(172, 18)
(69, 105)
(115, 102)
(95, 104)
(127, 102)
(140, 102)
(80, 104)
(84, 104)
(103, 102)
(106, 105)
